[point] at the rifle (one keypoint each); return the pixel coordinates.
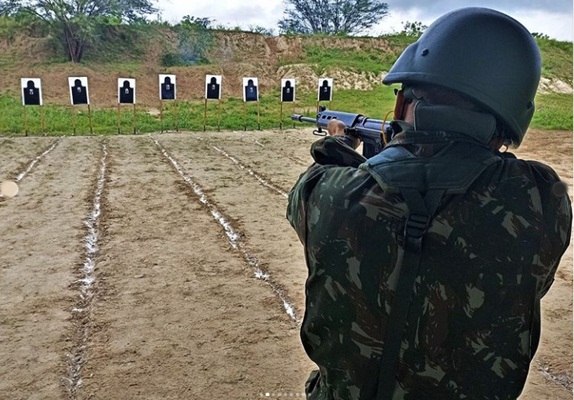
(374, 133)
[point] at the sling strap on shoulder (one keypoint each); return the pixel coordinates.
(421, 212)
(423, 183)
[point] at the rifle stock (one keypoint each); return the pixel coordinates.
(373, 133)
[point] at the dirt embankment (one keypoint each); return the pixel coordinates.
(234, 55)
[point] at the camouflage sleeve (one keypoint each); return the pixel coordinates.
(557, 217)
(329, 152)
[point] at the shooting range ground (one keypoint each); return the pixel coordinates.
(162, 267)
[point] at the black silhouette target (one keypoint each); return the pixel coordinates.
(287, 90)
(325, 89)
(79, 92)
(31, 91)
(167, 87)
(250, 89)
(126, 91)
(213, 87)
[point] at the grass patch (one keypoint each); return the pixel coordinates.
(553, 111)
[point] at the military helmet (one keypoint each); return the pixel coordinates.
(483, 54)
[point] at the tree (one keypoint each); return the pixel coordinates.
(331, 17)
(195, 39)
(413, 29)
(77, 23)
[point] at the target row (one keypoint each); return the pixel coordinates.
(79, 90)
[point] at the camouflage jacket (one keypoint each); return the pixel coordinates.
(488, 257)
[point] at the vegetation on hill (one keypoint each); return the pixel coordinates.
(195, 47)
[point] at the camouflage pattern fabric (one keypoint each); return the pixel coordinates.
(488, 257)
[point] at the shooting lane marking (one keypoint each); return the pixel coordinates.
(36, 160)
(232, 236)
(295, 159)
(81, 313)
(561, 379)
(252, 173)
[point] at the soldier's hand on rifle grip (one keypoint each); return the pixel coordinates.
(338, 128)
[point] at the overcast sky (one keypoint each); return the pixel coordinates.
(550, 17)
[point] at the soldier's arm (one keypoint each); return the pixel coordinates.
(329, 152)
(557, 215)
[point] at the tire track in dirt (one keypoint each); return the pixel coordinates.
(233, 234)
(81, 313)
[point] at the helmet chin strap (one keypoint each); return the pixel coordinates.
(401, 104)
(477, 125)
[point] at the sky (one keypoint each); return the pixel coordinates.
(548, 17)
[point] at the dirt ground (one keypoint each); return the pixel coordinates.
(162, 267)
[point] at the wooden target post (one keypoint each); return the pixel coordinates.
(219, 115)
(119, 117)
(258, 117)
(175, 115)
(204, 114)
(175, 112)
(134, 120)
(74, 119)
(42, 120)
(281, 116)
(161, 116)
(244, 117)
(90, 120)
(25, 121)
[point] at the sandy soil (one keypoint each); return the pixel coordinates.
(162, 267)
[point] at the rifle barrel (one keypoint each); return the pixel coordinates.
(302, 118)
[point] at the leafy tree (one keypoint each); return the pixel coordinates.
(413, 29)
(260, 29)
(195, 37)
(331, 17)
(77, 23)
(539, 35)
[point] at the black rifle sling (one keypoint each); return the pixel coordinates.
(421, 211)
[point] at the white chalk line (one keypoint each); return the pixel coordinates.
(86, 281)
(232, 236)
(252, 173)
(36, 160)
(563, 380)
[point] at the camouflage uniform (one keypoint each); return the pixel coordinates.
(488, 257)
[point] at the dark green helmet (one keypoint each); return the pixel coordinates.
(483, 54)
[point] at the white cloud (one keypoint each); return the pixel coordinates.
(549, 17)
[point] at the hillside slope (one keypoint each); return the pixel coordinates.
(233, 55)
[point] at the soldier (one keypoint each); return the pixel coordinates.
(427, 262)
